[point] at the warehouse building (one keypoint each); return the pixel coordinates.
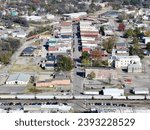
(113, 92)
(18, 79)
(29, 51)
(141, 91)
(74, 15)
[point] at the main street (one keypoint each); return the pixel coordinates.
(77, 72)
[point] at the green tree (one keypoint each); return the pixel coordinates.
(135, 2)
(136, 32)
(85, 55)
(148, 46)
(5, 57)
(96, 63)
(93, 7)
(109, 44)
(86, 62)
(96, 54)
(102, 30)
(65, 63)
(105, 62)
(91, 76)
(129, 33)
(135, 50)
(135, 41)
(133, 33)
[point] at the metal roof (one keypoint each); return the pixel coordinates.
(50, 58)
(23, 77)
(113, 91)
(19, 77)
(141, 89)
(29, 50)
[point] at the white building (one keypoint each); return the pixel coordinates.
(19, 34)
(109, 32)
(75, 15)
(50, 17)
(122, 51)
(145, 17)
(3, 35)
(86, 23)
(89, 39)
(141, 91)
(33, 18)
(18, 78)
(113, 92)
(125, 61)
(134, 68)
(103, 5)
(140, 25)
(146, 40)
(89, 44)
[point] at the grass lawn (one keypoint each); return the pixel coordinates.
(32, 89)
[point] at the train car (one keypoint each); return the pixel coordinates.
(83, 97)
(66, 97)
(7, 96)
(102, 97)
(25, 96)
(119, 97)
(135, 97)
(91, 92)
(148, 97)
(44, 96)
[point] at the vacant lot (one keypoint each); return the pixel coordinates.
(26, 64)
(26, 68)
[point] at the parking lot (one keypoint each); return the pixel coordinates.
(11, 89)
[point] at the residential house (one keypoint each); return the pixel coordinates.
(49, 62)
(121, 49)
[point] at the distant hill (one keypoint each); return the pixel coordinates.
(70, 6)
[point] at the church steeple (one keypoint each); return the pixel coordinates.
(113, 52)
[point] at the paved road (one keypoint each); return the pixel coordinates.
(77, 71)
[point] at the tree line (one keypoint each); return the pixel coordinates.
(7, 49)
